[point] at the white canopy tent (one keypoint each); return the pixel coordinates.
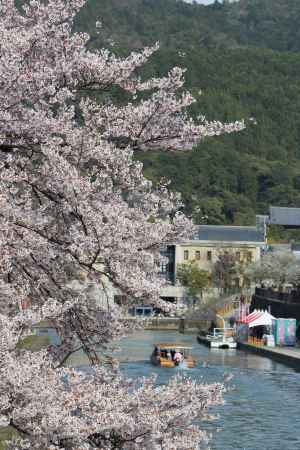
(259, 317)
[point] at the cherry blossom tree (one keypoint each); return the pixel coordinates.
(74, 201)
(275, 269)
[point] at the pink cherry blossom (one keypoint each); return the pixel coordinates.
(74, 201)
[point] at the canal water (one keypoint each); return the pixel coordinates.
(262, 408)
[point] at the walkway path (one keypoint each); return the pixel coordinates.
(289, 356)
(285, 355)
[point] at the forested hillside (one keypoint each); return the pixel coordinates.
(244, 58)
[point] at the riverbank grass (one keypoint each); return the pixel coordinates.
(7, 434)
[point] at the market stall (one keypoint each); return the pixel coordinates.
(260, 325)
(257, 328)
(259, 318)
(261, 328)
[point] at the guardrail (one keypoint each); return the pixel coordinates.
(234, 308)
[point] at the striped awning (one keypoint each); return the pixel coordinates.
(258, 317)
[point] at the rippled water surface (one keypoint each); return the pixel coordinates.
(262, 411)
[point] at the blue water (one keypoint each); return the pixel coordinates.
(262, 407)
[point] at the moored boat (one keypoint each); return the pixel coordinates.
(222, 338)
(172, 354)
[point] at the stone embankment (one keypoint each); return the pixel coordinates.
(182, 325)
(290, 356)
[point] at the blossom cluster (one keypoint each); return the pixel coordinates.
(74, 200)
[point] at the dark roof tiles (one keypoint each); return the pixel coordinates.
(228, 234)
(285, 216)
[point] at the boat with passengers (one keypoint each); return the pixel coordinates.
(172, 355)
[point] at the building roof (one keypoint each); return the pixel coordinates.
(222, 233)
(289, 217)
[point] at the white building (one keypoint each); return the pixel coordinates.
(246, 243)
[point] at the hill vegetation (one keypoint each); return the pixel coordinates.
(245, 59)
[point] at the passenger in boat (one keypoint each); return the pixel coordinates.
(178, 358)
(156, 353)
(166, 354)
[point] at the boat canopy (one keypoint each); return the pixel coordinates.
(259, 317)
(173, 346)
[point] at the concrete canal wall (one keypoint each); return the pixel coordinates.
(175, 324)
(290, 356)
(193, 325)
(163, 323)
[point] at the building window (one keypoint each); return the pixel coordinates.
(186, 255)
(209, 256)
(197, 255)
(249, 256)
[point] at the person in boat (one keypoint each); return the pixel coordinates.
(156, 352)
(178, 357)
(163, 353)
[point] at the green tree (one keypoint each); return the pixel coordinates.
(193, 278)
(226, 271)
(209, 210)
(243, 61)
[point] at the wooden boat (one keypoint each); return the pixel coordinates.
(164, 353)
